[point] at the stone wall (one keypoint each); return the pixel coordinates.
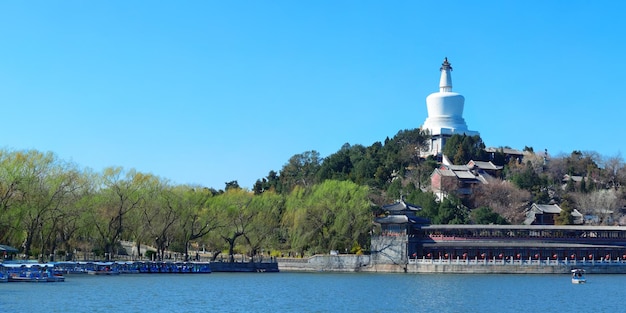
(244, 267)
(389, 250)
(326, 263)
(364, 263)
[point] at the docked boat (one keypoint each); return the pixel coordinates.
(578, 276)
(32, 272)
(4, 275)
(103, 268)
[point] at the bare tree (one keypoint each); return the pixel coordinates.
(502, 197)
(601, 203)
(613, 168)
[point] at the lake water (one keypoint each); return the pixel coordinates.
(317, 292)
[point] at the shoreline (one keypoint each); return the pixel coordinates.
(363, 263)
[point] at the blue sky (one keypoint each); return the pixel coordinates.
(206, 92)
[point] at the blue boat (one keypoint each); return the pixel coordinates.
(104, 268)
(32, 272)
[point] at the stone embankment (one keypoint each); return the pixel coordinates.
(248, 267)
(362, 263)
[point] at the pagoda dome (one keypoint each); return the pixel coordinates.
(445, 108)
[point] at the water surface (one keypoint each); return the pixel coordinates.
(317, 292)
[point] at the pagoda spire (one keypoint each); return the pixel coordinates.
(445, 83)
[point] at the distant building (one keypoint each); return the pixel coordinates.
(461, 179)
(546, 214)
(508, 154)
(404, 237)
(397, 227)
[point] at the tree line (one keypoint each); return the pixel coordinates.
(49, 206)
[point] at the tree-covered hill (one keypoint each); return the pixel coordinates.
(51, 208)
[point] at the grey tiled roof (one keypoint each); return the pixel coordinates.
(548, 208)
(401, 206)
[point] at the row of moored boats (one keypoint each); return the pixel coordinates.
(56, 271)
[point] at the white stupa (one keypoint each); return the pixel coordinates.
(445, 113)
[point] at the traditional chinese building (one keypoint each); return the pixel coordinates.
(404, 237)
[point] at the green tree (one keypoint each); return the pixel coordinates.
(463, 148)
(332, 215)
(44, 184)
(301, 170)
(271, 182)
(237, 216)
(337, 166)
(527, 179)
(197, 218)
(161, 210)
(565, 216)
(451, 211)
(264, 228)
(427, 201)
(486, 216)
(122, 192)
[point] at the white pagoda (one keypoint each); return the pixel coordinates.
(445, 113)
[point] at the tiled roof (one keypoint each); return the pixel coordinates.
(392, 219)
(465, 174)
(504, 150)
(548, 208)
(486, 165)
(401, 206)
(457, 167)
(448, 173)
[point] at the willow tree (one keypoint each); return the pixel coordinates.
(301, 170)
(236, 214)
(264, 230)
(45, 184)
(159, 212)
(197, 219)
(121, 192)
(334, 215)
(72, 220)
(11, 164)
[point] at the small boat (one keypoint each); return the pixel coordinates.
(578, 276)
(4, 275)
(32, 272)
(103, 268)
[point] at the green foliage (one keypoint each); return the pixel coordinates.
(271, 182)
(330, 216)
(580, 164)
(313, 206)
(231, 185)
(565, 217)
(150, 254)
(486, 216)
(356, 249)
(301, 170)
(462, 148)
(395, 189)
(426, 200)
(451, 211)
(528, 178)
(499, 158)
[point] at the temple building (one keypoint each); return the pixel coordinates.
(404, 239)
(445, 113)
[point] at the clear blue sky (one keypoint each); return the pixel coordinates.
(206, 92)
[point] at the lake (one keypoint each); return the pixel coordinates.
(316, 292)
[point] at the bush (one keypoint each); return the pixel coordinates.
(150, 254)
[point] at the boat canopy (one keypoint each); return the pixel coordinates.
(4, 248)
(27, 265)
